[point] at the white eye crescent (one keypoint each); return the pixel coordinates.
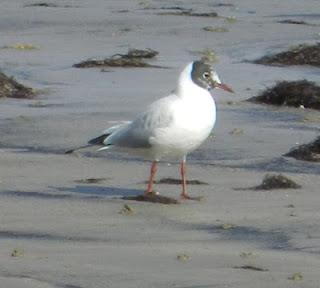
(206, 75)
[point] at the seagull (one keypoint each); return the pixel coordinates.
(172, 126)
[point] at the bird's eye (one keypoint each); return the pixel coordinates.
(206, 75)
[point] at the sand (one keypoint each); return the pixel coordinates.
(75, 235)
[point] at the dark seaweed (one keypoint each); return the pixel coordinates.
(152, 197)
(178, 181)
(276, 181)
(291, 21)
(251, 267)
(298, 55)
(190, 13)
(291, 93)
(134, 58)
(12, 89)
(307, 152)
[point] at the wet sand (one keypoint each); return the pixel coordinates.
(67, 233)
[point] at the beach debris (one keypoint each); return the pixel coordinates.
(236, 131)
(183, 257)
(41, 4)
(293, 21)
(90, 180)
(48, 5)
(125, 29)
(207, 55)
(276, 181)
(134, 58)
(189, 12)
(112, 62)
(296, 276)
(174, 8)
(122, 11)
(293, 214)
(126, 210)
(248, 254)
(230, 20)
(41, 104)
(311, 118)
(220, 4)
(174, 181)
(21, 46)
(145, 3)
(307, 152)
(301, 93)
(139, 53)
(12, 89)
(22, 119)
(17, 252)
(215, 29)
(229, 102)
(38, 104)
(153, 198)
(298, 55)
(251, 267)
(227, 226)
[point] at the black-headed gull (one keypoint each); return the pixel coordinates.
(172, 126)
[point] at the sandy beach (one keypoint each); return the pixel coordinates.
(59, 229)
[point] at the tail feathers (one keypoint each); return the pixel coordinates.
(100, 139)
(104, 148)
(95, 141)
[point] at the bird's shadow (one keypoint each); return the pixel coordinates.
(76, 192)
(275, 238)
(99, 191)
(93, 191)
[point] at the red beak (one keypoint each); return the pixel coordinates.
(224, 87)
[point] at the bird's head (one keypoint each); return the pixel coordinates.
(203, 75)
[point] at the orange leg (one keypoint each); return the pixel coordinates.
(183, 171)
(184, 194)
(153, 172)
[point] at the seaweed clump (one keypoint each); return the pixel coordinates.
(20, 46)
(48, 5)
(153, 198)
(251, 267)
(276, 181)
(307, 152)
(90, 180)
(42, 4)
(293, 21)
(173, 181)
(298, 55)
(12, 89)
(134, 58)
(301, 93)
(189, 12)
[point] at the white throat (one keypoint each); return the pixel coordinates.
(186, 86)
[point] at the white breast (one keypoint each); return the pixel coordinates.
(194, 115)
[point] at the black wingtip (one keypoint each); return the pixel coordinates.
(98, 140)
(95, 141)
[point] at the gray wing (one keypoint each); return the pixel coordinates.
(137, 134)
